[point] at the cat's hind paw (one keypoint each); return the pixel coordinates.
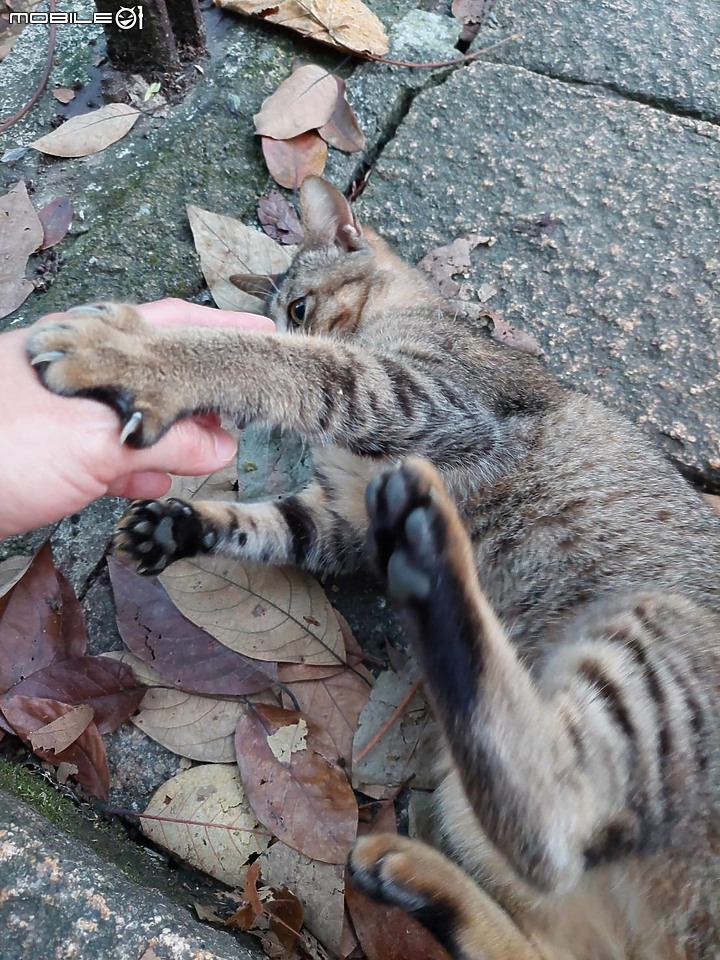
(154, 533)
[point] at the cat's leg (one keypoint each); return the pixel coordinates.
(590, 761)
(374, 404)
(302, 530)
(413, 876)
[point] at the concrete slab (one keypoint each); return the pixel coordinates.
(622, 291)
(657, 51)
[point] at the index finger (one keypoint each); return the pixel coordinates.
(173, 312)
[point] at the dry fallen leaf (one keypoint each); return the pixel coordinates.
(87, 752)
(713, 500)
(407, 748)
(471, 14)
(347, 24)
(258, 611)
(55, 218)
(64, 730)
(227, 247)
(278, 218)
(444, 263)
(21, 234)
(513, 336)
(63, 94)
(342, 130)
(212, 795)
(302, 102)
(188, 657)
(320, 887)
(90, 132)
(291, 161)
(304, 797)
(335, 703)
(11, 570)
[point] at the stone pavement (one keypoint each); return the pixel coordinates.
(589, 149)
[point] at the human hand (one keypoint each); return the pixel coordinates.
(58, 454)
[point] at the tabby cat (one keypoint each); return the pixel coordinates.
(559, 581)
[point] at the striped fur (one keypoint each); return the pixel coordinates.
(559, 581)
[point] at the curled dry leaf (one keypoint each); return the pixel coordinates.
(347, 24)
(303, 797)
(21, 234)
(227, 247)
(407, 747)
(204, 818)
(63, 94)
(302, 102)
(270, 613)
(342, 130)
(446, 262)
(187, 656)
(87, 752)
(278, 218)
(57, 735)
(110, 689)
(90, 132)
(320, 887)
(513, 336)
(291, 161)
(55, 218)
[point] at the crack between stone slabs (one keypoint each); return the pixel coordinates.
(661, 104)
(399, 112)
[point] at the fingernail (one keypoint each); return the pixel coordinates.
(225, 446)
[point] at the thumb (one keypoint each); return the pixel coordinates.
(189, 448)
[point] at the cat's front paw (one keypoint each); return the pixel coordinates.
(104, 352)
(384, 867)
(154, 533)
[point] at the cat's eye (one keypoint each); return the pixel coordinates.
(297, 311)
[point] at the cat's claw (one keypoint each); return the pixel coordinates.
(132, 425)
(50, 356)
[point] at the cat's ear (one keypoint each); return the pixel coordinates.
(327, 216)
(257, 285)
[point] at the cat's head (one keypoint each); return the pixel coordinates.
(342, 275)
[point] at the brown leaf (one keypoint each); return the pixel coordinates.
(348, 24)
(63, 94)
(295, 672)
(286, 917)
(278, 218)
(407, 747)
(110, 688)
(11, 570)
(387, 933)
(302, 102)
(30, 622)
(250, 893)
(21, 234)
(320, 887)
(73, 634)
(713, 500)
(513, 336)
(55, 218)
(335, 704)
(342, 130)
(227, 247)
(87, 752)
(294, 785)
(60, 733)
(255, 610)
(90, 132)
(204, 818)
(189, 658)
(291, 161)
(471, 14)
(444, 263)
